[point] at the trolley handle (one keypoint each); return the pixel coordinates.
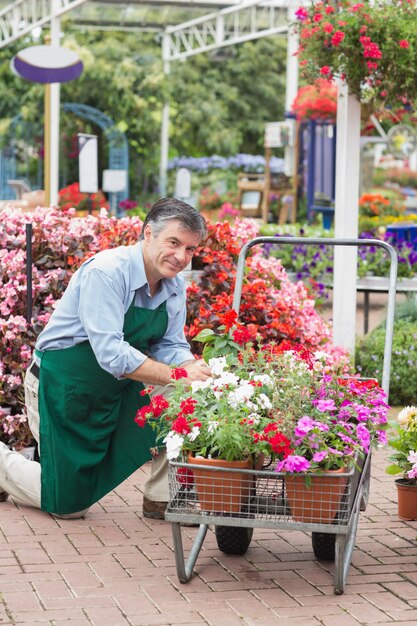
(309, 241)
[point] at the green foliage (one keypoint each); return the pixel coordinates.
(214, 108)
(369, 359)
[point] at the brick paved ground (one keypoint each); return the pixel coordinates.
(114, 568)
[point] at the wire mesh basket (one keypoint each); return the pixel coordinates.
(263, 495)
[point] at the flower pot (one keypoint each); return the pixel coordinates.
(319, 501)
(407, 499)
(218, 488)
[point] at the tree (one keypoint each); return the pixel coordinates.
(215, 108)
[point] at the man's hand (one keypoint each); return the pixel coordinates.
(196, 370)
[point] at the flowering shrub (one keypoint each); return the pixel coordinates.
(278, 400)
(316, 102)
(404, 444)
(71, 197)
(375, 204)
(61, 242)
(278, 308)
(238, 162)
(371, 46)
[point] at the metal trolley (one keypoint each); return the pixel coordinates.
(265, 498)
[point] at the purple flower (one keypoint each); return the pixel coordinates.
(304, 426)
(364, 436)
(294, 463)
(325, 405)
(318, 457)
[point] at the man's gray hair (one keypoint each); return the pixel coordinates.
(168, 209)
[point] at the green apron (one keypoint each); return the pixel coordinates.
(89, 441)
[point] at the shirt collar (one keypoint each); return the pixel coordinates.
(138, 276)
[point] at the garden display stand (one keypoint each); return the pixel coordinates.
(265, 501)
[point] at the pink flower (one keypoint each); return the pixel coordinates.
(337, 38)
(372, 51)
(317, 17)
(403, 43)
(301, 14)
(294, 463)
(326, 70)
(327, 27)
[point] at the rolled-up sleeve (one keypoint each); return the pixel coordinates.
(102, 311)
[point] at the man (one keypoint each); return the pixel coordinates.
(119, 326)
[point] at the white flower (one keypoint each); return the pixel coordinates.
(195, 431)
(254, 418)
(265, 379)
(241, 394)
(264, 401)
(217, 365)
(407, 415)
(211, 426)
(201, 384)
(227, 378)
(173, 442)
(320, 355)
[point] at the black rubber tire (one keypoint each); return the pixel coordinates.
(324, 546)
(233, 539)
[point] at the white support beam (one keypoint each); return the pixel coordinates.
(249, 20)
(22, 16)
(346, 217)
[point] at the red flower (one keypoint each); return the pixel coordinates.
(337, 38)
(185, 476)
(187, 406)
(181, 426)
(403, 43)
(326, 70)
(142, 414)
(228, 319)
(159, 404)
(179, 372)
(241, 335)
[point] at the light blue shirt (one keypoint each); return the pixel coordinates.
(94, 305)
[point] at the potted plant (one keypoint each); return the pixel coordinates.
(404, 461)
(279, 401)
(371, 46)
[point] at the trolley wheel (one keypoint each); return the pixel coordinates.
(324, 546)
(233, 539)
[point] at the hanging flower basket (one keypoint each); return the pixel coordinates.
(372, 47)
(316, 102)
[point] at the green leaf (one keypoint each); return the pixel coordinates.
(205, 335)
(393, 470)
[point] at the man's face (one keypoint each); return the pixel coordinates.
(169, 252)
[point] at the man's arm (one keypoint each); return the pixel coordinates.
(154, 373)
